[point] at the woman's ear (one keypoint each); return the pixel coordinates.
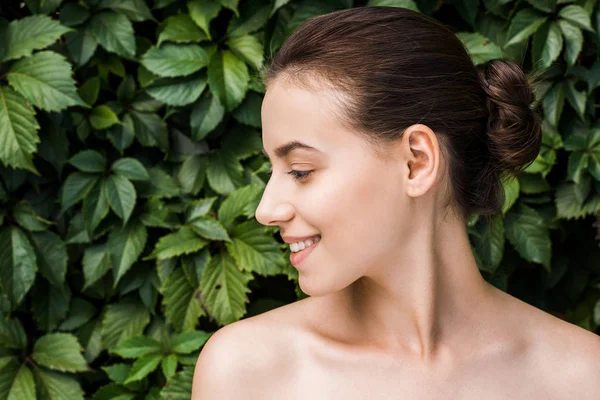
(422, 157)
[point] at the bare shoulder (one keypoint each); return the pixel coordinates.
(240, 359)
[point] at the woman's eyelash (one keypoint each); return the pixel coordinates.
(297, 175)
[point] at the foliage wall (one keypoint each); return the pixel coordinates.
(131, 167)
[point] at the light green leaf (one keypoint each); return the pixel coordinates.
(88, 161)
(577, 16)
(253, 250)
(57, 386)
(18, 131)
(172, 60)
(18, 264)
(16, 382)
(143, 366)
(524, 24)
(224, 172)
(228, 78)
(183, 306)
(183, 241)
(51, 255)
(202, 12)
(130, 168)
(547, 44)
(224, 289)
(180, 386)
(480, 48)
(45, 80)
(117, 372)
(248, 48)
(169, 365)
(209, 229)
(114, 32)
(125, 247)
(96, 263)
(33, 32)
(511, 193)
(177, 91)
(243, 201)
(59, 351)
(121, 195)
(206, 115)
(187, 342)
(529, 234)
(573, 40)
(198, 208)
(103, 117)
(180, 29)
(137, 346)
(124, 320)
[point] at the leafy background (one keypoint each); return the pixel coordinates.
(131, 167)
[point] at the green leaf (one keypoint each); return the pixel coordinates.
(224, 289)
(96, 263)
(81, 44)
(121, 195)
(135, 10)
(180, 29)
(488, 240)
(183, 305)
(192, 173)
(160, 185)
(50, 305)
(12, 334)
(206, 114)
(89, 90)
(126, 89)
(114, 32)
(410, 4)
(44, 79)
(150, 129)
(529, 234)
(125, 247)
(137, 346)
(249, 111)
(32, 33)
(243, 201)
(202, 12)
(103, 117)
(577, 16)
(228, 78)
(224, 172)
(18, 130)
(59, 351)
(567, 205)
(573, 40)
(253, 250)
(57, 386)
(16, 382)
(183, 241)
(124, 320)
(169, 365)
(576, 98)
(180, 386)
(89, 161)
(547, 44)
(511, 193)
(95, 207)
(143, 366)
(73, 14)
(117, 372)
(480, 48)
(25, 216)
(578, 163)
(130, 168)
(247, 48)
(198, 208)
(76, 187)
(524, 24)
(172, 60)
(254, 14)
(187, 342)
(18, 264)
(177, 91)
(554, 102)
(122, 135)
(80, 313)
(51, 255)
(209, 229)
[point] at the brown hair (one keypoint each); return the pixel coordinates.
(398, 67)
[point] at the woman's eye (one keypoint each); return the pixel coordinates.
(297, 175)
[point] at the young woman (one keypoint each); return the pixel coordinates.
(384, 139)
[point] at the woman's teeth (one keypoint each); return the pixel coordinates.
(295, 247)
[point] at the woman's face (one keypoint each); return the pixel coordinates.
(352, 198)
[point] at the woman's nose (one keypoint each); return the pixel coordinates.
(273, 208)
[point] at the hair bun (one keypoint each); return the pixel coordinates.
(514, 129)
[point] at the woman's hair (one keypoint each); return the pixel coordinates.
(398, 67)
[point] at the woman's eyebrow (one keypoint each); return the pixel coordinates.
(284, 150)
